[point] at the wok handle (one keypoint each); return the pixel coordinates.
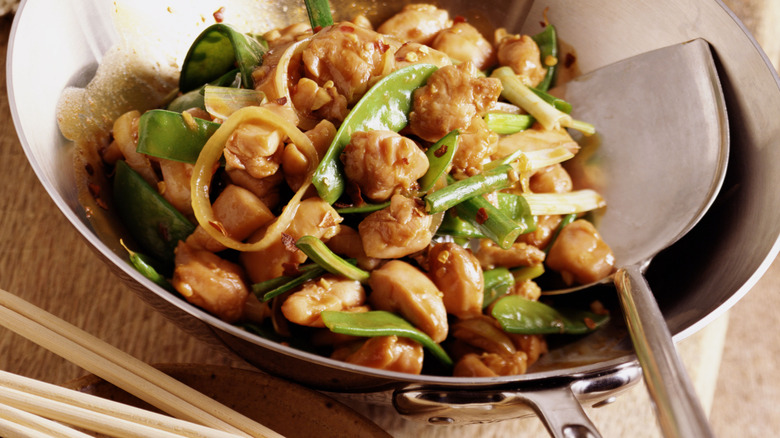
(562, 414)
(677, 407)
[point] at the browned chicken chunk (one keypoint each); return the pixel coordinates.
(464, 43)
(418, 23)
(457, 273)
(396, 231)
(580, 255)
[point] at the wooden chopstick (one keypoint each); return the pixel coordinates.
(18, 423)
(94, 413)
(121, 369)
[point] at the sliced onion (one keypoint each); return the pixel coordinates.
(209, 157)
(221, 102)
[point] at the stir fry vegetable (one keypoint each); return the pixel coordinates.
(369, 195)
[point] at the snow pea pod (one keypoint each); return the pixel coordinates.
(380, 323)
(146, 266)
(153, 222)
(316, 250)
(547, 40)
(196, 98)
(216, 51)
(498, 282)
(523, 316)
(385, 106)
(274, 287)
(173, 136)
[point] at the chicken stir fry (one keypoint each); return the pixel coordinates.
(377, 193)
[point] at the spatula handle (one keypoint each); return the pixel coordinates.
(678, 409)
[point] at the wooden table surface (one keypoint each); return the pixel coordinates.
(45, 261)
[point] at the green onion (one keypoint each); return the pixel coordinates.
(578, 201)
(440, 156)
(566, 220)
(488, 181)
(363, 208)
(319, 13)
(547, 40)
(504, 124)
(490, 221)
(274, 287)
(328, 260)
(221, 102)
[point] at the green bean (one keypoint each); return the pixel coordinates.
(498, 282)
(547, 40)
(152, 222)
(216, 51)
(488, 181)
(173, 136)
(323, 256)
(380, 323)
(519, 315)
(440, 156)
(385, 106)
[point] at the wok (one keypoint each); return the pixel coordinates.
(55, 45)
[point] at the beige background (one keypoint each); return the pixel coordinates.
(43, 260)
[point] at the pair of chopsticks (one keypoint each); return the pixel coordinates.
(187, 405)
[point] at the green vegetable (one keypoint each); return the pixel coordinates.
(508, 123)
(517, 209)
(216, 51)
(153, 222)
(578, 201)
(363, 208)
(380, 323)
(522, 316)
(454, 226)
(498, 282)
(490, 221)
(385, 106)
(556, 102)
(221, 102)
(453, 194)
(516, 92)
(319, 13)
(196, 99)
(274, 287)
(566, 220)
(173, 136)
(527, 272)
(146, 266)
(328, 260)
(439, 159)
(547, 40)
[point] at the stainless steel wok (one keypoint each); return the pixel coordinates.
(59, 44)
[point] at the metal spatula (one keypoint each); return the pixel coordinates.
(659, 162)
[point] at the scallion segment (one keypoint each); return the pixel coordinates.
(328, 260)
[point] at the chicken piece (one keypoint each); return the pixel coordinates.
(475, 146)
(383, 163)
(400, 229)
(362, 21)
(451, 99)
(484, 333)
(527, 289)
(457, 273)
(521, 54)
(551, 179)
(464, 43)
(580, 255)
(400, 287)
(266, 189)
(414, 53)
(418, 23)
(256, 148)
(239, 214)
(533, 345)
(210, 282)
(392, 353)
(350, 56)
(317, 101)
(314, 217)
(546, 225)
(347, 243)
(490, 255)
(491, 365)
(175, 185)
(294, 162)
(329, 292)
(125, 132)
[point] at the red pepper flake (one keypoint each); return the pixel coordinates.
(219, 227)
(381, 46)
(441, 151)
(589, 323)
(354, 193)
(317, 29)
(219, 15)
(282, 100)
(569, 60)
(459, 19)
(482, 216)
(345, 28)
(94, 190)
(289, 242)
